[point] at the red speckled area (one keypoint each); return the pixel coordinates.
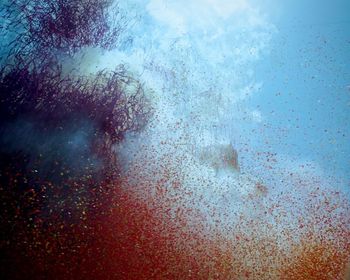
(127, 235)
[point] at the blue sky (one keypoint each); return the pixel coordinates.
(305, 98)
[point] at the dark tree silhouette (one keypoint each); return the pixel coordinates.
(45, 27)
(57, 131)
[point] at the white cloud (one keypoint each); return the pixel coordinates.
(183, 15)
(256, 116)
(224, 8)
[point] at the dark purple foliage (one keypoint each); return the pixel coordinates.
(102, 98)
(57, 132)
(46, 26)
